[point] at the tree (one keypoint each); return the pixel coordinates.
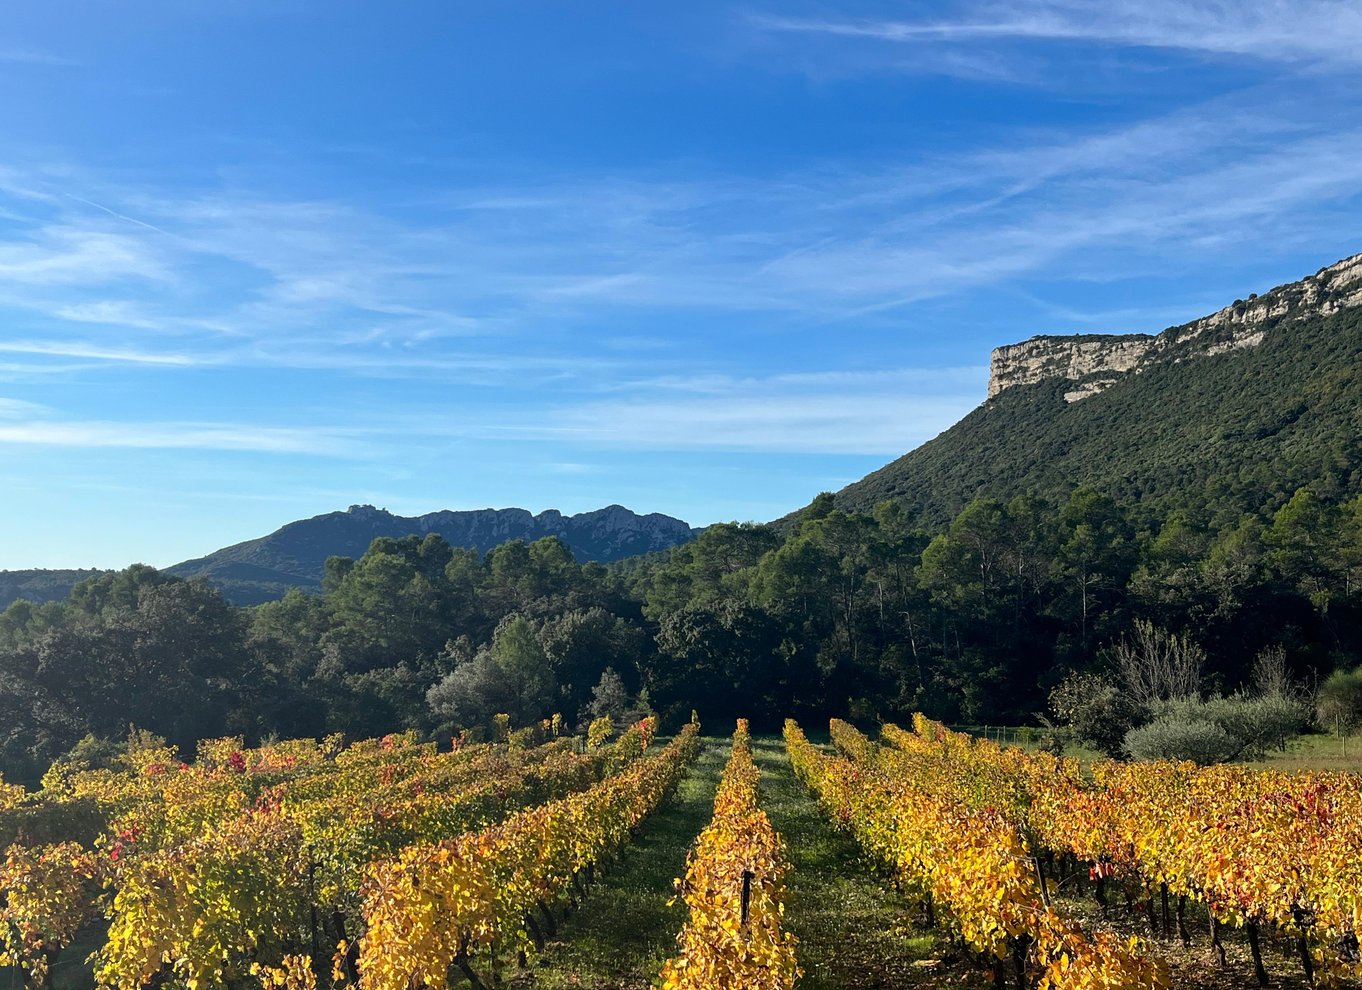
(822, 506)
(1234, 564)
(511, 676)
(1338, 704)
(1272, 677)
(725, 659)
(608, 698)
(133, 647)
(391, 605)
(1095, 711)
(1303, 540)
(286, 639)
(713, 566)
(1155, 665)
(471, 693)
(582, 643)
(1096, 553)
(521, 660)
(965, 567)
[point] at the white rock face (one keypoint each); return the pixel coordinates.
(1098, 361)
(1041, 358)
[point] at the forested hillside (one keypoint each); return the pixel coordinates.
(1230, 433)
(1203, 483)
(295, 555)
(864, 615)
(40, 584)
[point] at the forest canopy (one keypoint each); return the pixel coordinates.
(838, 614)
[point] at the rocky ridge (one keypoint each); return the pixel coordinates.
(1094, 362)
(294, 556)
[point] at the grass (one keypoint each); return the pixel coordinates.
(1318, 752)
(1312, 751)
(854, 932)
(626, 928)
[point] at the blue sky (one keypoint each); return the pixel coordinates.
(261, 260)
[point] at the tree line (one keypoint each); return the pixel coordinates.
(860, 616)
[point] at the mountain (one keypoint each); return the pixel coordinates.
(295, 555)
(1234, 410)
(41, 585)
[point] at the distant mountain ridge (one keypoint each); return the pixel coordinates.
(1233, 411)
(41, 584)
(294, 556)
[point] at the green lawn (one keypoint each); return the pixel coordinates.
(1319, 752)
(1314, 751)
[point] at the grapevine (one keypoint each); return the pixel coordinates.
(971, 863)
(734, 889)
(470, 900)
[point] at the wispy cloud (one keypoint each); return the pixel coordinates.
(64, 254)
(180, 436)
(559, 280)
(1297, 31)
(14, 408)
(29, 56)
(871, 412)
(857, 423)
(96, 353)
(113, 312)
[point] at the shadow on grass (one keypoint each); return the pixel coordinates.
(855, 932)
(627, 928)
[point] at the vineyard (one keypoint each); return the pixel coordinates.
(922, 857)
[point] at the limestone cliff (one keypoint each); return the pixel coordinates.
(1096, 361)
(1075, 357)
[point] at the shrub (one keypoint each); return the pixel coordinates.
(1217, 730)
(1156, 665)
(1338, 707)
(95, 753)
(1176, 737)
(599, 731)
(1095, 712)
(1261, 724)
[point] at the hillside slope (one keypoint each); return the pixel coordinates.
(41, 585)
(1236, 410)
(294, 556)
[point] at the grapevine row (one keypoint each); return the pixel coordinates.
(471, 900)
(250, 854)
(970, 863)
(283, 879)
(734, 888)
(1254, 847)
